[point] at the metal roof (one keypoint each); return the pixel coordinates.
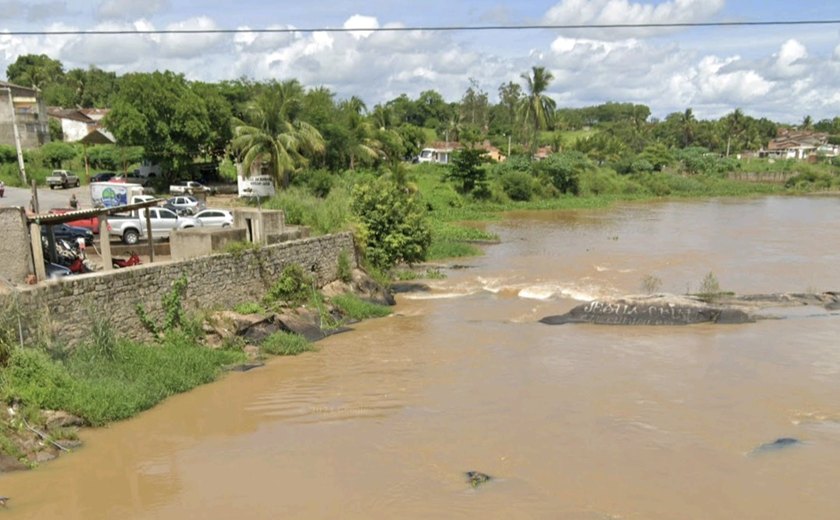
(56, 218)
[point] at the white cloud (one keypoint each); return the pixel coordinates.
(190, 45)
(358, 21)
(604, 12)
(129, 9)
(790, 59)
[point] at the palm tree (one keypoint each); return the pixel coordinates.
(536, 110)
(687, 124)
(361, 143)
(273, 134)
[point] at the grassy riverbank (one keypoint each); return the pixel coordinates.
(108, 378)
(450, 213)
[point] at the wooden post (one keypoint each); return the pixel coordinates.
(149, 234)
(37, 252)
(105, 243)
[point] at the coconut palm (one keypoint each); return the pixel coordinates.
(536, 110)
(273, 134)
(362, 146)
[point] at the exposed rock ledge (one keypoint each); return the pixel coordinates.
(669, 309)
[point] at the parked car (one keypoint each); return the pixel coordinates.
(91, 223)
(103, 177)
(190, 187)
(62, 179)
(69, 233)
(130, 227)
(184, 205)
(215, 217)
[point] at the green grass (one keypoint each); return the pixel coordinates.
(286, 344)
(105, 386)
(358, 309)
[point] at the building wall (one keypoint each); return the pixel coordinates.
(69, 305)
(15, 248)
(31, 115)
(74, 130)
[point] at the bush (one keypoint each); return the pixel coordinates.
(345, 271)
(393, 226)
(518, 185)
(565, 169)
(292, 287)
(285, 344)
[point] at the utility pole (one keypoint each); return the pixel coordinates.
(21, 166)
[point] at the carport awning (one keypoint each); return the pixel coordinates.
(50, 219)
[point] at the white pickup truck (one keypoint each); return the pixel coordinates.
(129, 228)
(190, 188)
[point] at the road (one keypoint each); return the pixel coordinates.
(47, 198)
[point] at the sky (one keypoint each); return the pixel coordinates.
(780, 72)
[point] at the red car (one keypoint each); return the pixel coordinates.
(91, 223)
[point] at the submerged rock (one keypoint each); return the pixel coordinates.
(779, 444)
(476, 478)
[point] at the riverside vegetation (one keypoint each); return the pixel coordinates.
(50, 390)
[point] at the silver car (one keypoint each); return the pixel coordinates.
(184, 205)
(214, 218)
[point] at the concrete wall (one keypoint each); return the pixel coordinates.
(195, 242)
(31, 115)
(15, 247)
(259, 223)
(69, 305)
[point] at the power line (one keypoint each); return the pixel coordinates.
(447, 28)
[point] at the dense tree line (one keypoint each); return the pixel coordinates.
(283, 127)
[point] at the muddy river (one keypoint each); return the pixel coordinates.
(573, 421)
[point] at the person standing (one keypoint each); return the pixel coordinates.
(74, 203)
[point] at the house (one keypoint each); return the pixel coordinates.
(799, 144)
(24, 108)
(441, 153)
(77, 124)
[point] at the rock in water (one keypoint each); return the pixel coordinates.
(476, 478)
(659, 310)
(779, 444)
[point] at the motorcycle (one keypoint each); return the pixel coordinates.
(133, 259)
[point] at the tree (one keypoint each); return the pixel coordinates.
(536, 110)
(31, 70)
(160, 112)
(475, 107)
(392, 222)
(467, 172)
(54, 154)
(510, 94)
(564, 170)
(274, 133)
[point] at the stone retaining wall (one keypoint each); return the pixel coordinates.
(219, 281)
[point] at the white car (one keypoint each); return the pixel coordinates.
(214, 218)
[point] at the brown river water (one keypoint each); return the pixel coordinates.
(573, 421)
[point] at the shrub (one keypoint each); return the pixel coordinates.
(393, 225)
(292, 287)
(345, 271)
(286, 344)
(518, 185)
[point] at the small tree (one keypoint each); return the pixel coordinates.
(466, 170)
(393, 223)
